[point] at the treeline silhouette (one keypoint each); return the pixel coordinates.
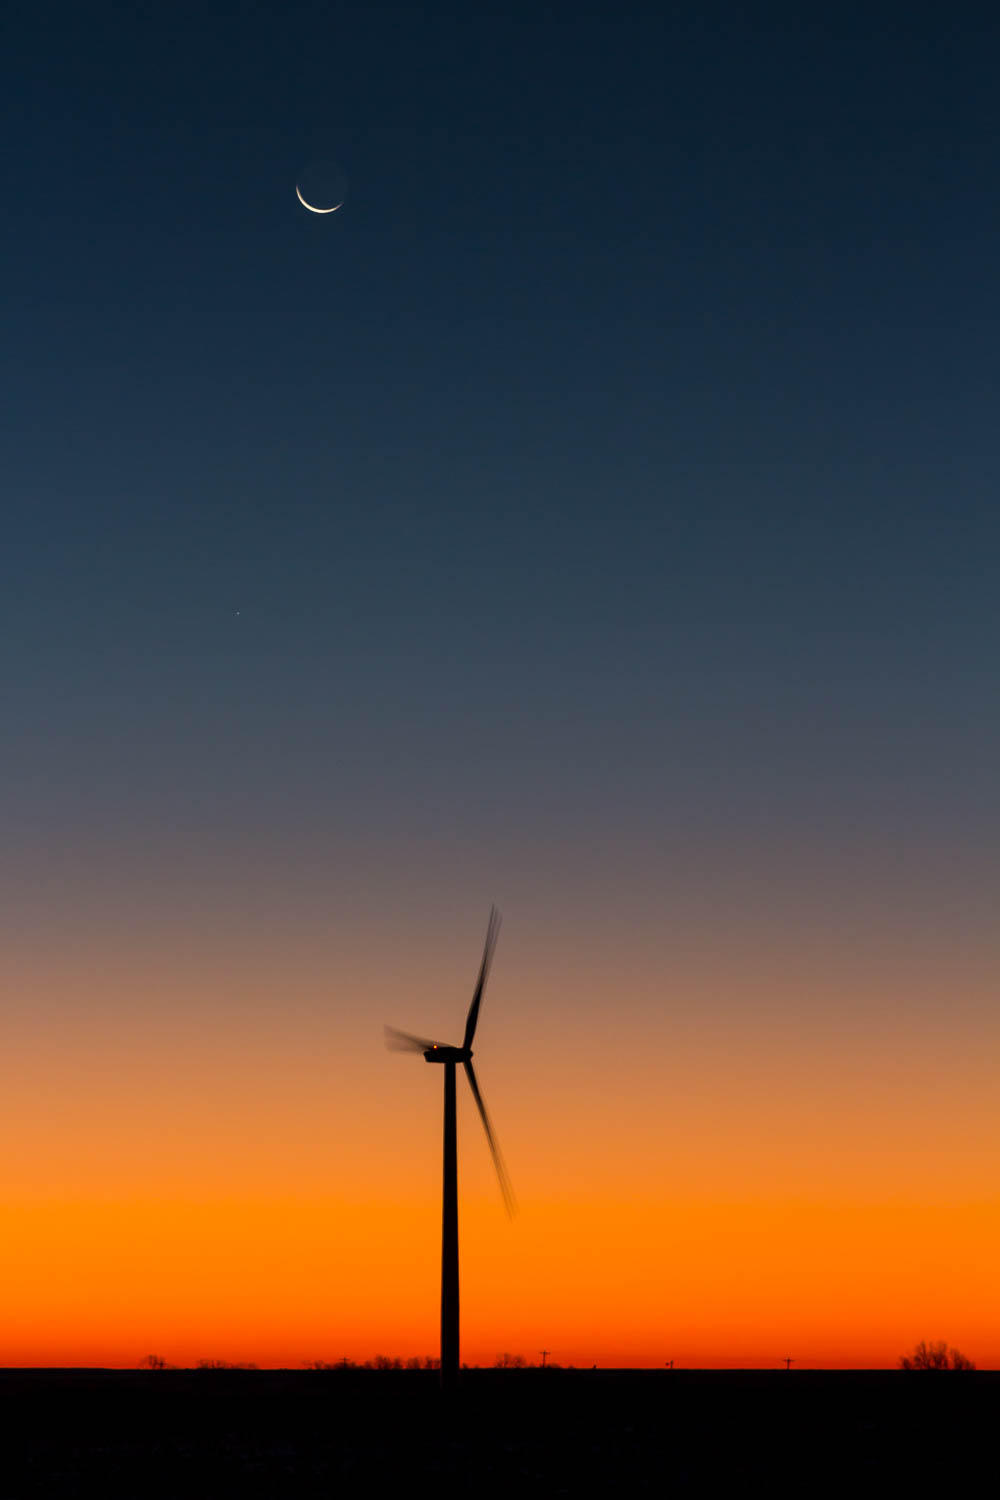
(428, 1362)
(157, 1362)
(378, 1362)
(927, 1355)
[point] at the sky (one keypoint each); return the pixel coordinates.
(596, 515)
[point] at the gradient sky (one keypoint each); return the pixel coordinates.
(597, 516)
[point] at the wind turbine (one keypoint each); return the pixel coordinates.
(441, 1052)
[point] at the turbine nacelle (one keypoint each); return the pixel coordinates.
(440, 1053)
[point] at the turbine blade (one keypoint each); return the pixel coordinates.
(402, 1041)
(509, 1201)
(492, 933)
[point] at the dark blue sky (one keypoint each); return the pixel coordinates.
(608, 491)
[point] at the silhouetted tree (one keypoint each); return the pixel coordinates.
(510, 1362)
(153, 1362)
(935, 1356)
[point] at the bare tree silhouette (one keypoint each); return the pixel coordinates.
(935, 1355)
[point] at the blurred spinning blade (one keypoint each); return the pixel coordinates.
(492, 933)
(509, 1201)
(402, 1041)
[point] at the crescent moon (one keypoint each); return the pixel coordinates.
(312, 210)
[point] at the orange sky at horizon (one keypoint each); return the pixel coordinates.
(281, 1282)
(739, 1166)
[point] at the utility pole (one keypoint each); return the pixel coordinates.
(545, 1354)
(789, 1361)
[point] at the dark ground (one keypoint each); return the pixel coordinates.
(194, 1434)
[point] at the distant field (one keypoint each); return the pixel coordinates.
(195, 1434)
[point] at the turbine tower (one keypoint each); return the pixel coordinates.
(441, 1052)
